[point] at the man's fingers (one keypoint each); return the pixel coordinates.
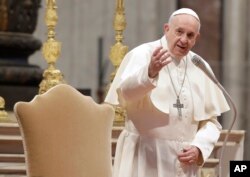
(159, 59)
(188, 159)
(166, 59)
(158, 53)
(188, 156)
(157, 50)
(161, 54)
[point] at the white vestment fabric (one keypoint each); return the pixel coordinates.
(154, 132)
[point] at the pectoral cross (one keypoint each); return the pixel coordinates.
(178, 105)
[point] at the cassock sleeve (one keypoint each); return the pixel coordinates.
(131, 79)
(136, 86)
(206, 137)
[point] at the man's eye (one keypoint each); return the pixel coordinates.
(190, 36)
(178, 32)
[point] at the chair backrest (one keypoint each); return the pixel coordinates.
(66, 134)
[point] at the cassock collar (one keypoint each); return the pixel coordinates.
(208, 99)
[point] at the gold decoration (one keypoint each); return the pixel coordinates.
(51, 50)
(117, 53)
(3, 113)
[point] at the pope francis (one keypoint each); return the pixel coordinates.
(171, 106)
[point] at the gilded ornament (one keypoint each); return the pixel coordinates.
(117, 53)
(51, 50)
(3, 113)
(51, 17)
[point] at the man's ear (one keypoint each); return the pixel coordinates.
(166, 27)
(197, 37)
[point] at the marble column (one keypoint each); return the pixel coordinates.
(234, 56)
(235, 49)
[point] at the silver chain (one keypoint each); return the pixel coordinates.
(182, 80)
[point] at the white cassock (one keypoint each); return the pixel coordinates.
(154, 132)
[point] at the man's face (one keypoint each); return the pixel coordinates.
(181, 33)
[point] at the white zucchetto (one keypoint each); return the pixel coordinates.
(185, 11)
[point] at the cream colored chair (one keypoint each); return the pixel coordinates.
(66, 134)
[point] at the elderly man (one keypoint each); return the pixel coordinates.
(172, 106)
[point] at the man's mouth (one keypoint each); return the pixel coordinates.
(182, 47)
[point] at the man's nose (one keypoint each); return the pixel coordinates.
(184, 39)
